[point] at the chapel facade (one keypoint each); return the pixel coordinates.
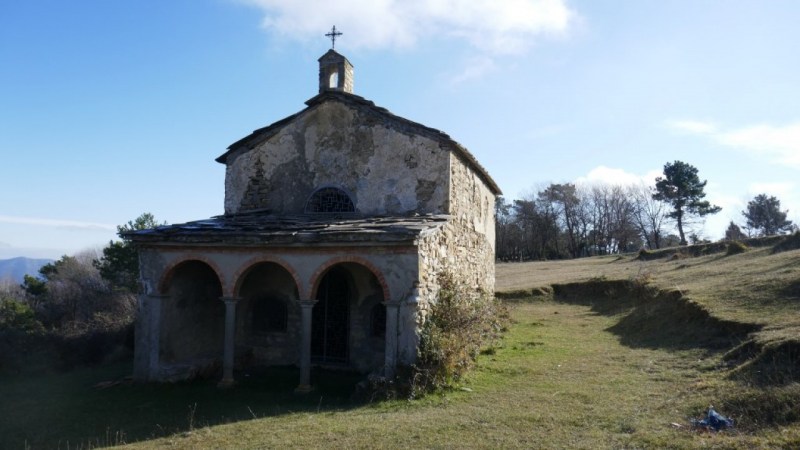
(337, 221)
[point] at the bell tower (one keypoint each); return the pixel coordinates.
(335, 71)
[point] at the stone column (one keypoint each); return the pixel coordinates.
(148, 338)
(390, 352)
(407, 353)
(228, 348)
(306, 307)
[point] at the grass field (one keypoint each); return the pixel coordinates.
(594, 366)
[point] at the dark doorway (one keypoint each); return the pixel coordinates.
(330, 330)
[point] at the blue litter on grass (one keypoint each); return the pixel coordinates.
(713, 421)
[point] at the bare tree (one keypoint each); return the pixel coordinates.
(649, 215)
(565, 203)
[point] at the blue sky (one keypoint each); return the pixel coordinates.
(111, 108)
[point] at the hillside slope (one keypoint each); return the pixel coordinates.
(754, 288)
(15, 269)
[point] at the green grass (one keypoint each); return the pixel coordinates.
(560, 379)
(598, 369)
(69, 410)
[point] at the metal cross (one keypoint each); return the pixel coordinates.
(333, 34)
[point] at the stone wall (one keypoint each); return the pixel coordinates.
(465, 245)
(385, 170)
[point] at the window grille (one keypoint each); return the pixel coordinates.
(330, 200)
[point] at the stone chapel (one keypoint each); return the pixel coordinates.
(337, 221)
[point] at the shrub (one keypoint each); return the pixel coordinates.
(769, 406)
(21, 335)
(18, 316)
(461, 322)
(735, 247)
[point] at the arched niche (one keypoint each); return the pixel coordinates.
(268, 313)
(192, 314)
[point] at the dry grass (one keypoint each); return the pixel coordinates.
(758, 286)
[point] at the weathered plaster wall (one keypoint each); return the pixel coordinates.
(385, 170)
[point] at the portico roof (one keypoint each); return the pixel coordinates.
(265, 229)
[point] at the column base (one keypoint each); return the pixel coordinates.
(303, 389)
(226, 383)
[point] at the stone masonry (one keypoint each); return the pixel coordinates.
(337, 221)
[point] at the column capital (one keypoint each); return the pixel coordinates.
(414, 297)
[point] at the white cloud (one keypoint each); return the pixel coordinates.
(778, 144)
(476, 68)
(494, 26)
(612, 176)
(692, 126)
(56, 223)
(716, 224)
(779, 190)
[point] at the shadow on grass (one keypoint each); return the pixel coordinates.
(68, 410)
(649, 318)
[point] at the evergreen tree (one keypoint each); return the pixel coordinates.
(764, 216)
(119, 264)
(682, 189)
(734, 233)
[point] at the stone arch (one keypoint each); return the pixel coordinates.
(268, 311)
(323, 268)
(346, 290)
(169, 273)
(240, 274)
(192, 316)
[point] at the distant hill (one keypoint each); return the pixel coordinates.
(15, 269)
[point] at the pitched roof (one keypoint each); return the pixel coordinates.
(265, 229)
(399, 123)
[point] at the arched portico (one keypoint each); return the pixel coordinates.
(268, 318)
(167, 275)
(192, 322)
(339, 321)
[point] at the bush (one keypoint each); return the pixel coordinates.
(735, 247)
(461, 322)
(18, 316)
(81, 345)
(22, 337)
